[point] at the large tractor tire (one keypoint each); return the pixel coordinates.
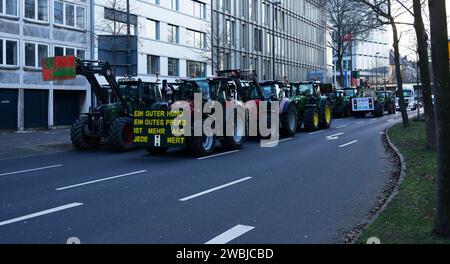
(78, 136)
(157, 151)
(379, 110)
(121, 134)
(236, 141)
(202, 146)
(348, 110)
(311, 119)
(289, 121)
(326, 115)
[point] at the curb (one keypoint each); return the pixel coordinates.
(395, 191)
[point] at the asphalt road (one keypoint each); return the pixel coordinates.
(308, 189)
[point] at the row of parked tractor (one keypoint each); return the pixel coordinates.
(303, 105)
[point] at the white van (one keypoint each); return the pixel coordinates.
(410, 98)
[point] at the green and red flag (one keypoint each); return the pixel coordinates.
(59, 68)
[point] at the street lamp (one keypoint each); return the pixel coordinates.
(274, 3)
(376, 67)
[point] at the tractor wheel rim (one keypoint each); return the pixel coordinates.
(207, 142)
(328, 114)
(127, 135)
(316, 119)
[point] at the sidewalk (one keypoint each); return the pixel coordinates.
(27, 143)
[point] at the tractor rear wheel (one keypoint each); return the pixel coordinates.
(121, 134)
(379, 110)
(79, 139)
(326, 116)
(237, 139)
(289, 121)
(311, 119)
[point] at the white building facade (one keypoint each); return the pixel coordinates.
(31, 30)
(369, 57)
(171, 36)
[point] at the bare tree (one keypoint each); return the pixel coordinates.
(114, 24)
(348, 21)
(385, 15)
(212, 48)
(440, 61)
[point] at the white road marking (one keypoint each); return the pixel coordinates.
(348, 144)
(334, 137)
(339, 127)
(45, 212)
(100, 180)
(317, 132)
(276, 142)
(360, 122)
(381, 133)
(390, 120)
(218, 155)
(230, 235)
(214, 189)
(35, 169)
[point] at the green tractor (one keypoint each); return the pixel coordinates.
(366, 101)
(388, 99)
(111, 120)
(314, 108)
(342, 101)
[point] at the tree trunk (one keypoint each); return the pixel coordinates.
(399, 74)
(439, 50)
(341, 71)
(422, 49)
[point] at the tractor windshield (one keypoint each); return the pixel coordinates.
(268, 91)
(406, 93)
(205, 87)
(349, 92)
(305, 88)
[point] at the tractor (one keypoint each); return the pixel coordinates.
(314, 108)
(215, 89)
(366, 101)
(276, 91)
(388, 99)
(111, 121)
(342, 101)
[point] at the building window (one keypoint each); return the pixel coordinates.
(173, 67)
(69, 15)
(116, 22)
(195, 39)
(67, 51)
(152, 64)
(197, 9)
(196, 69)
(152, 29)
(8, 52)
(8, 7)
(175, 5)
(34, 53)
(36, 10)
(172, 34)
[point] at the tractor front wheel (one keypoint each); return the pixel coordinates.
(78, 136)
(311, 119)
(202, 146)
(289, 121)
(236, 140)
(326, 116)
(121, 134)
